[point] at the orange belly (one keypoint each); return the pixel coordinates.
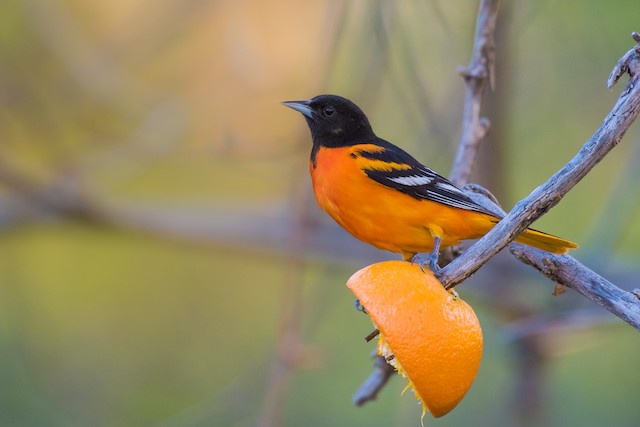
(385, 217)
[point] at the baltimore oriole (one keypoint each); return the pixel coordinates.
(383, 196)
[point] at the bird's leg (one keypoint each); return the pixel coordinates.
(435, 253)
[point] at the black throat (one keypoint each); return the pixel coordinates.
(349, 134)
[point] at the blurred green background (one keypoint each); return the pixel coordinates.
(163, 263)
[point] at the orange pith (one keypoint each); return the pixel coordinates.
(435, 336)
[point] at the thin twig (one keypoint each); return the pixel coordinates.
(549, 194)
(476, 76)
(372, 335)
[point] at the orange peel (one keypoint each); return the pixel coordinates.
(430, 335)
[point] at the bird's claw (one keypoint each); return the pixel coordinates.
(431, 262)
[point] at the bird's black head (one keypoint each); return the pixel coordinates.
(334, 121)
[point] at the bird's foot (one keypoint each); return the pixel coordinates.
(430, 262)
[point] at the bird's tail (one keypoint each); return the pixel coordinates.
(546, 242)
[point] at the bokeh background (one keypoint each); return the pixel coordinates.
(163, 263)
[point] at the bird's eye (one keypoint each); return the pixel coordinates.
(328, 110)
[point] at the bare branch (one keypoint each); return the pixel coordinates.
(543, 198)
(569, 272)
(371, 387)
(476, 75)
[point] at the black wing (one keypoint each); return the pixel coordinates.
(395, 168)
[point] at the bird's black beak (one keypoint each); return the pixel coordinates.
(300, 106)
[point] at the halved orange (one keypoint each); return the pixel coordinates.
(430, 335)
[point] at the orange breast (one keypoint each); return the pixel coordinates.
(382, 216)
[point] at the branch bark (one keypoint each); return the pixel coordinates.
(476, 76)
(371, 387)
(543, 198)
(567, 271)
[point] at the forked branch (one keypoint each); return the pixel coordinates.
(562, 269)
(543, 198)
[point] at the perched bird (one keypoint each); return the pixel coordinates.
(383, 196)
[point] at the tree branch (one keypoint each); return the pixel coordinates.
(567, 271)
(371, 387)
(543, 198)
(476, 75)
(562, 269)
